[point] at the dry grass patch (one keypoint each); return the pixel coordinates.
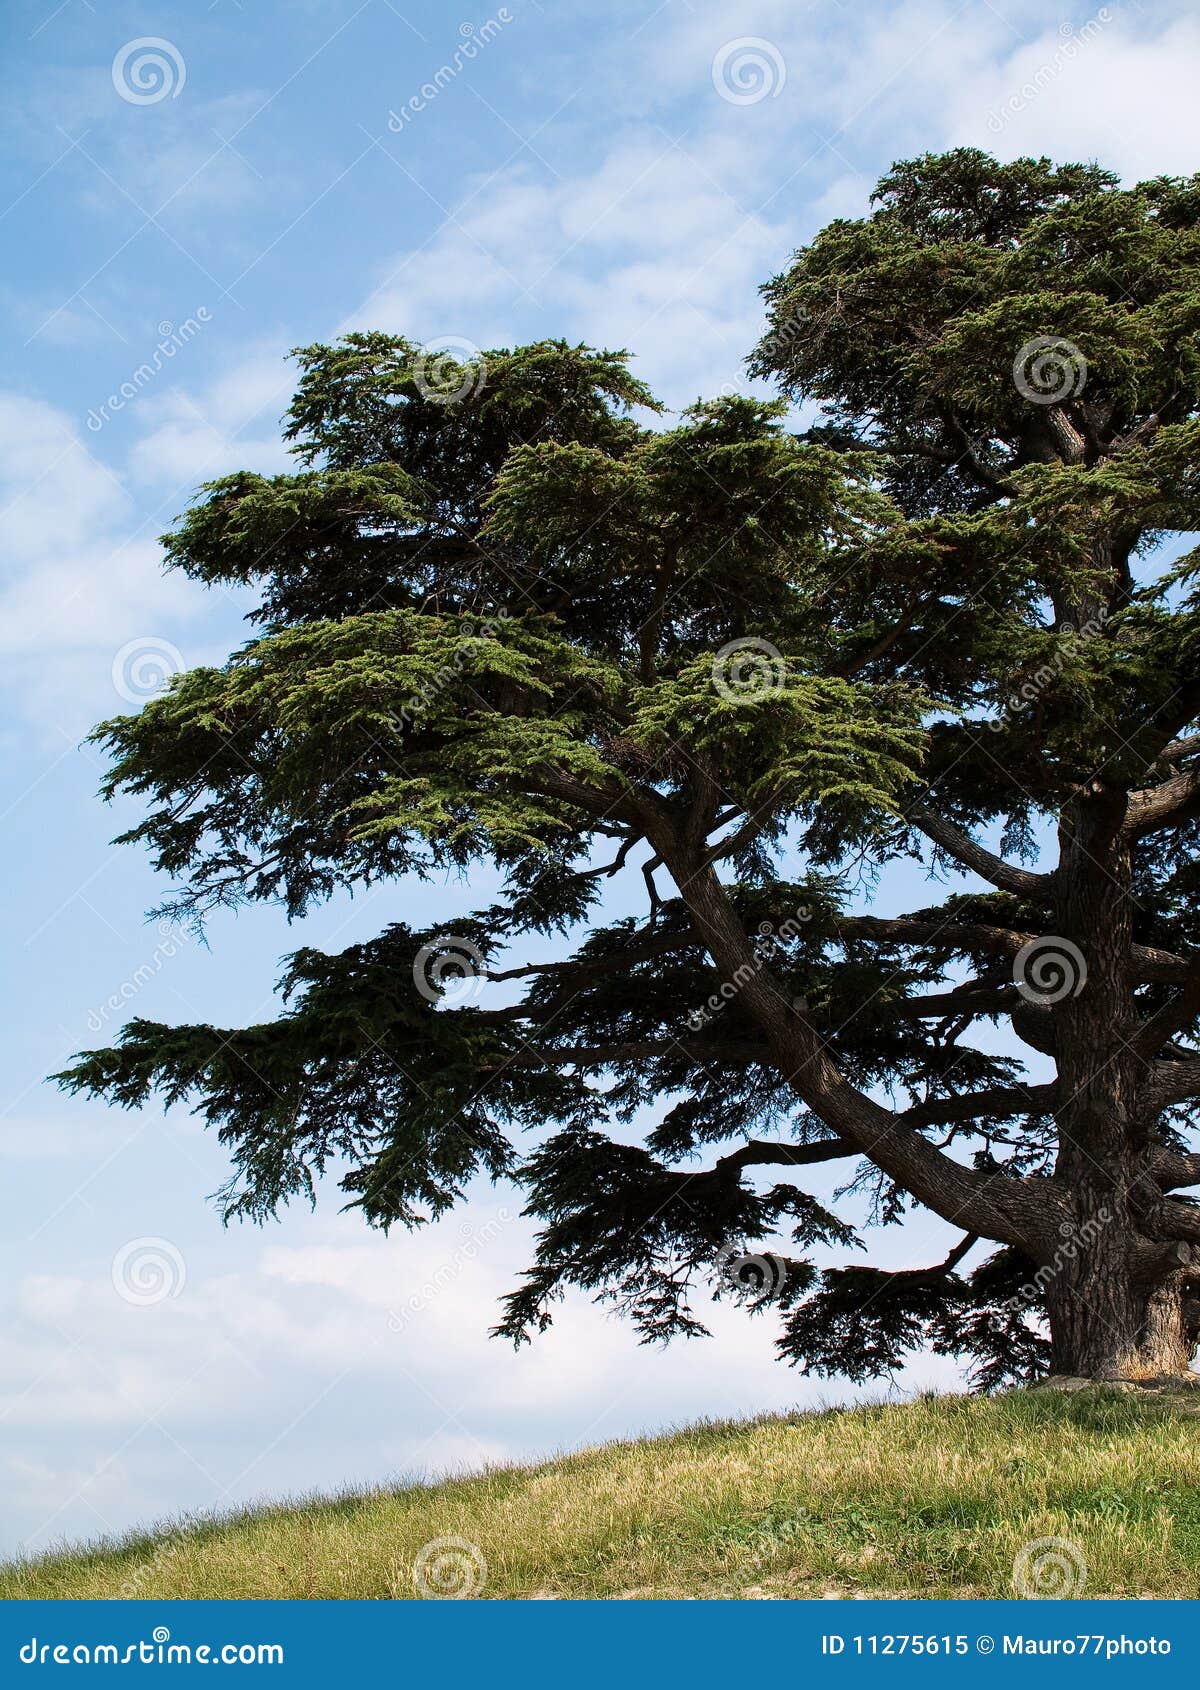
(932, 1498)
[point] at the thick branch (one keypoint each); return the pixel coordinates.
(1176, 1168)
(1172, 1082)
(1174, 801)
(1172, 1018)
(757, 1152)
(977, 858)
(1002, 1208)
(993, 1101)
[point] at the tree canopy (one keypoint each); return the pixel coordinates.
(508, 615)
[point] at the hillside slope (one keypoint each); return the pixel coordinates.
(939, 1497)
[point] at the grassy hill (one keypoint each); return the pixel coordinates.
(935, 1498)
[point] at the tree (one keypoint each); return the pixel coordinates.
(504, 622)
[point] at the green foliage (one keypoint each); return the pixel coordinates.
(508, 617)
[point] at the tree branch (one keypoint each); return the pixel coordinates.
(758, 1152)
(1004, 1208)
(959, 845)
(1174, 801)
(1183, 1008)
(995, 1101)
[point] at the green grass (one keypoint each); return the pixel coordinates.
(933, 1498)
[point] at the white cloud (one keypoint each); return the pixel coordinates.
(83, 576)
(242, 1370)
(84, 572)
(1106, 92)
(648, 251)
(196, 432)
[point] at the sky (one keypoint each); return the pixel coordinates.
(186, 193)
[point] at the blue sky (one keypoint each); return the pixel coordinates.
(194, 189)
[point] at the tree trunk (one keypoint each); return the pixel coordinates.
(1105, 1321)
(1105, 1328)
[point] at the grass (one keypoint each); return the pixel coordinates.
(933, 1498)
